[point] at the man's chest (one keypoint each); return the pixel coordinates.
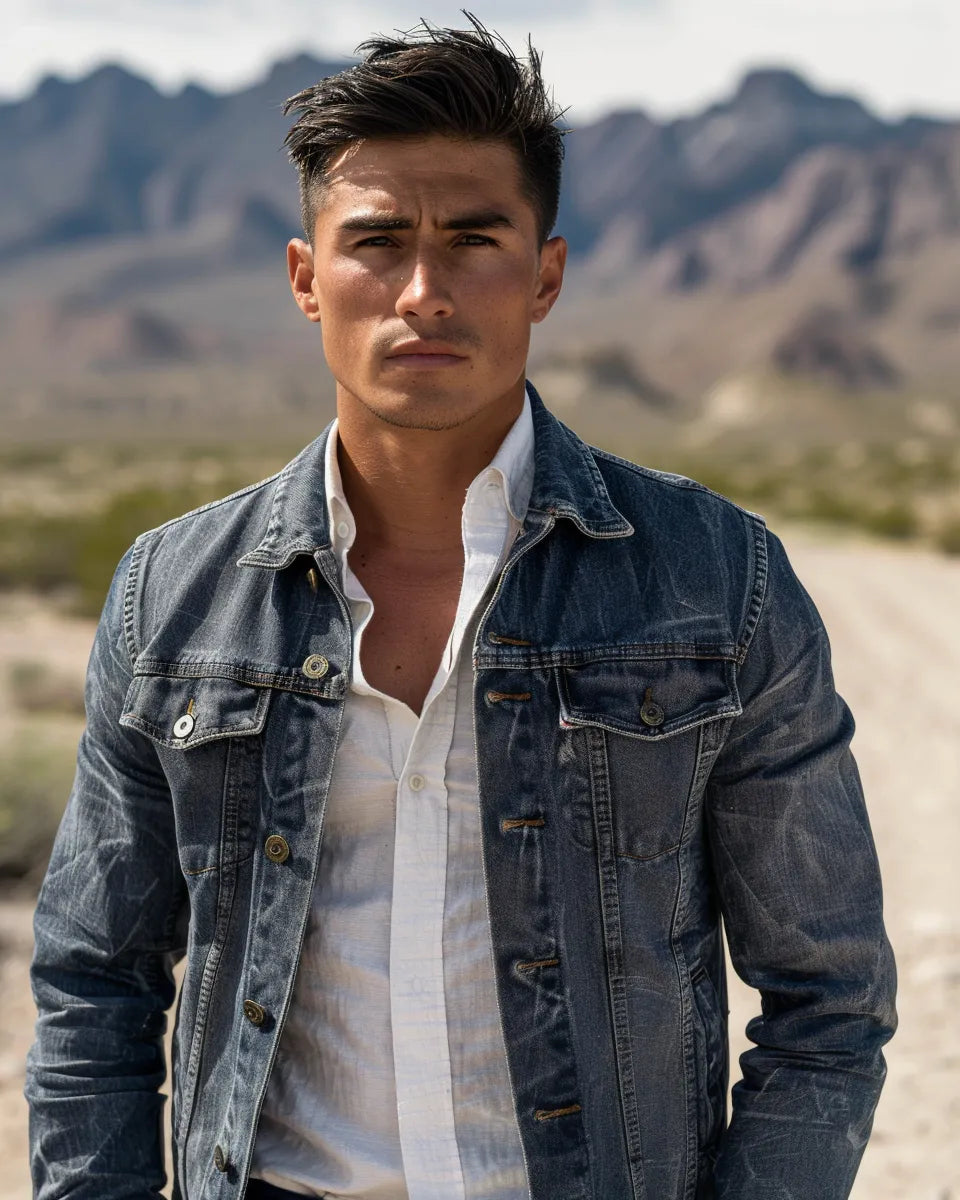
(404, 640)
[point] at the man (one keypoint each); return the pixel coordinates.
(441, 754)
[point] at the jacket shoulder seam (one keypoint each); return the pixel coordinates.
(203, 508)
(761, 572)
(133, 593)
(131, 601)
(757, 565)
(679, 482)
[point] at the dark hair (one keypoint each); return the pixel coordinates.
(462, 83)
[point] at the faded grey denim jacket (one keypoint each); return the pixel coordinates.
(659, 745)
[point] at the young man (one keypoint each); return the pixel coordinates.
(441, 754)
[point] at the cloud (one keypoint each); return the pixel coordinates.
(667, 55)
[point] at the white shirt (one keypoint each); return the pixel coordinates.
(391, 1079)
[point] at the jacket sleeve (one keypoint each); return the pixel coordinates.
(800, 892)
(108, 930)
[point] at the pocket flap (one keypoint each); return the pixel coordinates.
(651, 698)
(182, 713)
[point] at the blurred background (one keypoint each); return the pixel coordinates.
(762, 201)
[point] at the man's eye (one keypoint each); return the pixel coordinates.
(477, 239)
(379, 239)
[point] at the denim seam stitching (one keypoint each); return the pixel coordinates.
(520, 658)
(679, 482)
(226, 891)
(759, 593)
(333, 689)
(686, 1015)
(131, 602)
(613, 953)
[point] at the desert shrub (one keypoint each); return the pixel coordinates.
(103, 539)
(35, 687)
(77, 553)
(36, 772)
(948, 537)
(824, 504)
(897, 521)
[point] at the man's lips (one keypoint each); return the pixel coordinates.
(425, 354)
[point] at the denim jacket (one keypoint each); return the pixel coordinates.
(659, 744)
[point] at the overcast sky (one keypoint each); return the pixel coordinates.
(665, 55)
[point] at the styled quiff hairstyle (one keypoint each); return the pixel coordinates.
(461, 83)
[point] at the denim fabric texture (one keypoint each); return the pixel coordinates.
(659, 742)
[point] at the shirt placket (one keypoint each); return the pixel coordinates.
(431, 1159)
(425, 1106)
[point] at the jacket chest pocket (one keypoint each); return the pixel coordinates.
(647, 731)
(207, 732)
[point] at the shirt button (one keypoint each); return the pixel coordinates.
(255, 1013)
(219, 1159)
(315, 666)
(343, 530)
(276, 848)
(184, 726)
(416, 782)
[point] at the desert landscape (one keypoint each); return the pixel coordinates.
(891, 612)
(762, 294)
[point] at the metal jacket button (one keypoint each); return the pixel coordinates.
(276, 848)
(219, 1159)
(255, 1013)
(184, 726)
(650, 712)
(315, 667)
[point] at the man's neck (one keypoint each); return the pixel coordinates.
(406, 487)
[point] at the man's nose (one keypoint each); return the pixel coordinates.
(427, 292)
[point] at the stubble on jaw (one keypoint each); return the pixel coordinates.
(417, 415)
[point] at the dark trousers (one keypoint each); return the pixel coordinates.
(258, 1190)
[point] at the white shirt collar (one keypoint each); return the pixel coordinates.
(511, 467)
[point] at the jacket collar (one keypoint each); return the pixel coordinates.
(566, 483)
(566, 479)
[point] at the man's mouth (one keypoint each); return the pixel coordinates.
(425, 354)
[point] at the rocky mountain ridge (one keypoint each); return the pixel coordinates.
(110, 155)
(780, 230)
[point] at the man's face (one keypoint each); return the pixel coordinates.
(425, 275)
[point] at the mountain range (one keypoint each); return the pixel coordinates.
(781, 232)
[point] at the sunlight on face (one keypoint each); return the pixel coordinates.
(427, 276)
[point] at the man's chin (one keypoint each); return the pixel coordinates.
(420, 418)
(427, 409)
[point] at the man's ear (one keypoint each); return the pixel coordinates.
(553, 259)
(300, 270)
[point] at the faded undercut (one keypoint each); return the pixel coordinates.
(460, 83)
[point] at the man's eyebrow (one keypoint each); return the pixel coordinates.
(487, 219)
(384, 223)
(374, 222)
